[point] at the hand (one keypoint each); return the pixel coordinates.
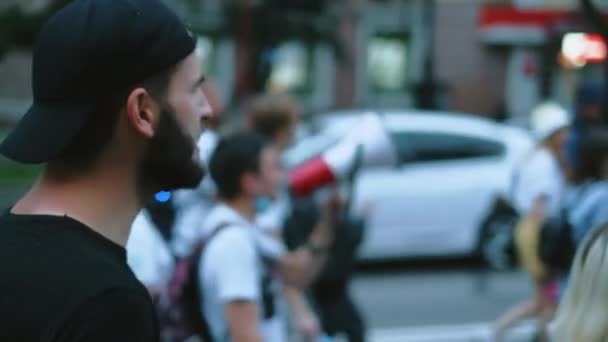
(332, 208)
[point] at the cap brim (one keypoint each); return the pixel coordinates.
(44, 131)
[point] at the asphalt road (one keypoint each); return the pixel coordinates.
(426, 299)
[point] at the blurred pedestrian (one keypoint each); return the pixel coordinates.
(275, 116)
(538, 193)
(115, 118)
(240, 283)
(583, 314)
(589, 195)
(332, 311)
(589, 104)
(149, 255)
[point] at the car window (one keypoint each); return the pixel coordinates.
(436, 146)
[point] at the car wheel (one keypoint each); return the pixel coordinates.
(496, 247)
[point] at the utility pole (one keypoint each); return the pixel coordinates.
(426, 90)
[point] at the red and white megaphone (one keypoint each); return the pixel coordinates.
(369, 135)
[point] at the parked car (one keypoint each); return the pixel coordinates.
(453, 170)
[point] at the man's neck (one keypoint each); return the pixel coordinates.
(244, 206)
(106, 201)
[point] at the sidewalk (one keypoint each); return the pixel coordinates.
(475, 332)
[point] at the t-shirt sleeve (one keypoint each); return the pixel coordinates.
(540, 183)
(235, 261)
(537, 181)
(116, 315)
(599, 213)
(589, 211)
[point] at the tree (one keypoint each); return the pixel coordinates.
(19, 28)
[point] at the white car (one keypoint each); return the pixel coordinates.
(452, 170)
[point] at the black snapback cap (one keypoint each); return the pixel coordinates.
(86, 50)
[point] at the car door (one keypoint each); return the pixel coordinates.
(431, 203)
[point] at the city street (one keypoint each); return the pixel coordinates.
(437, 301)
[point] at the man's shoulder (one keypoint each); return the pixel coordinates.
(224, 221)
(230, 237)
(62, 257)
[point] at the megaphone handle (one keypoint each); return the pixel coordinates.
(352, 178)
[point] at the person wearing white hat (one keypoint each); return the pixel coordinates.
(541, 175)
(539, 187)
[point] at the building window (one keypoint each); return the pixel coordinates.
(387, 61)
(290, 67)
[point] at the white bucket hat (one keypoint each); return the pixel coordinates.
(547, 118)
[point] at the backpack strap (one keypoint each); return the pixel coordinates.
(198, 249)
(201, 325)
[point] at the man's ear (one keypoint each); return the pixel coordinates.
(143, 113)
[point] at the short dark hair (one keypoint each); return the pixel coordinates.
(592, 152)
(233, 157)
(88, 145)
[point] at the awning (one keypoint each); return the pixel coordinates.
(507, 24)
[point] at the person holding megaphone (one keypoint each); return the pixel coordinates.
(294, 213)
(239, 271)
(275, 117)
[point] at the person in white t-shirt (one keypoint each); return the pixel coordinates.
(148, 254)
(538, 194)
(239, 283)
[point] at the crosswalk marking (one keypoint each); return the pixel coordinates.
(475, 332)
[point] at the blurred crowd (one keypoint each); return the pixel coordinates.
(259, 251)
(560, 194)
(252, 249)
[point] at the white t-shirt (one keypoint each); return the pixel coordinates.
(148, 254)
(231, 268)
(539, 177)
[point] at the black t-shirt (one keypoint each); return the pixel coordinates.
(61, 281)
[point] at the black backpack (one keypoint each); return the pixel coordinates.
(178, 307)
(556, 245)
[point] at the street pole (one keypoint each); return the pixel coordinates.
(426, 90)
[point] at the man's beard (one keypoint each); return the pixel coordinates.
(168, 163)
